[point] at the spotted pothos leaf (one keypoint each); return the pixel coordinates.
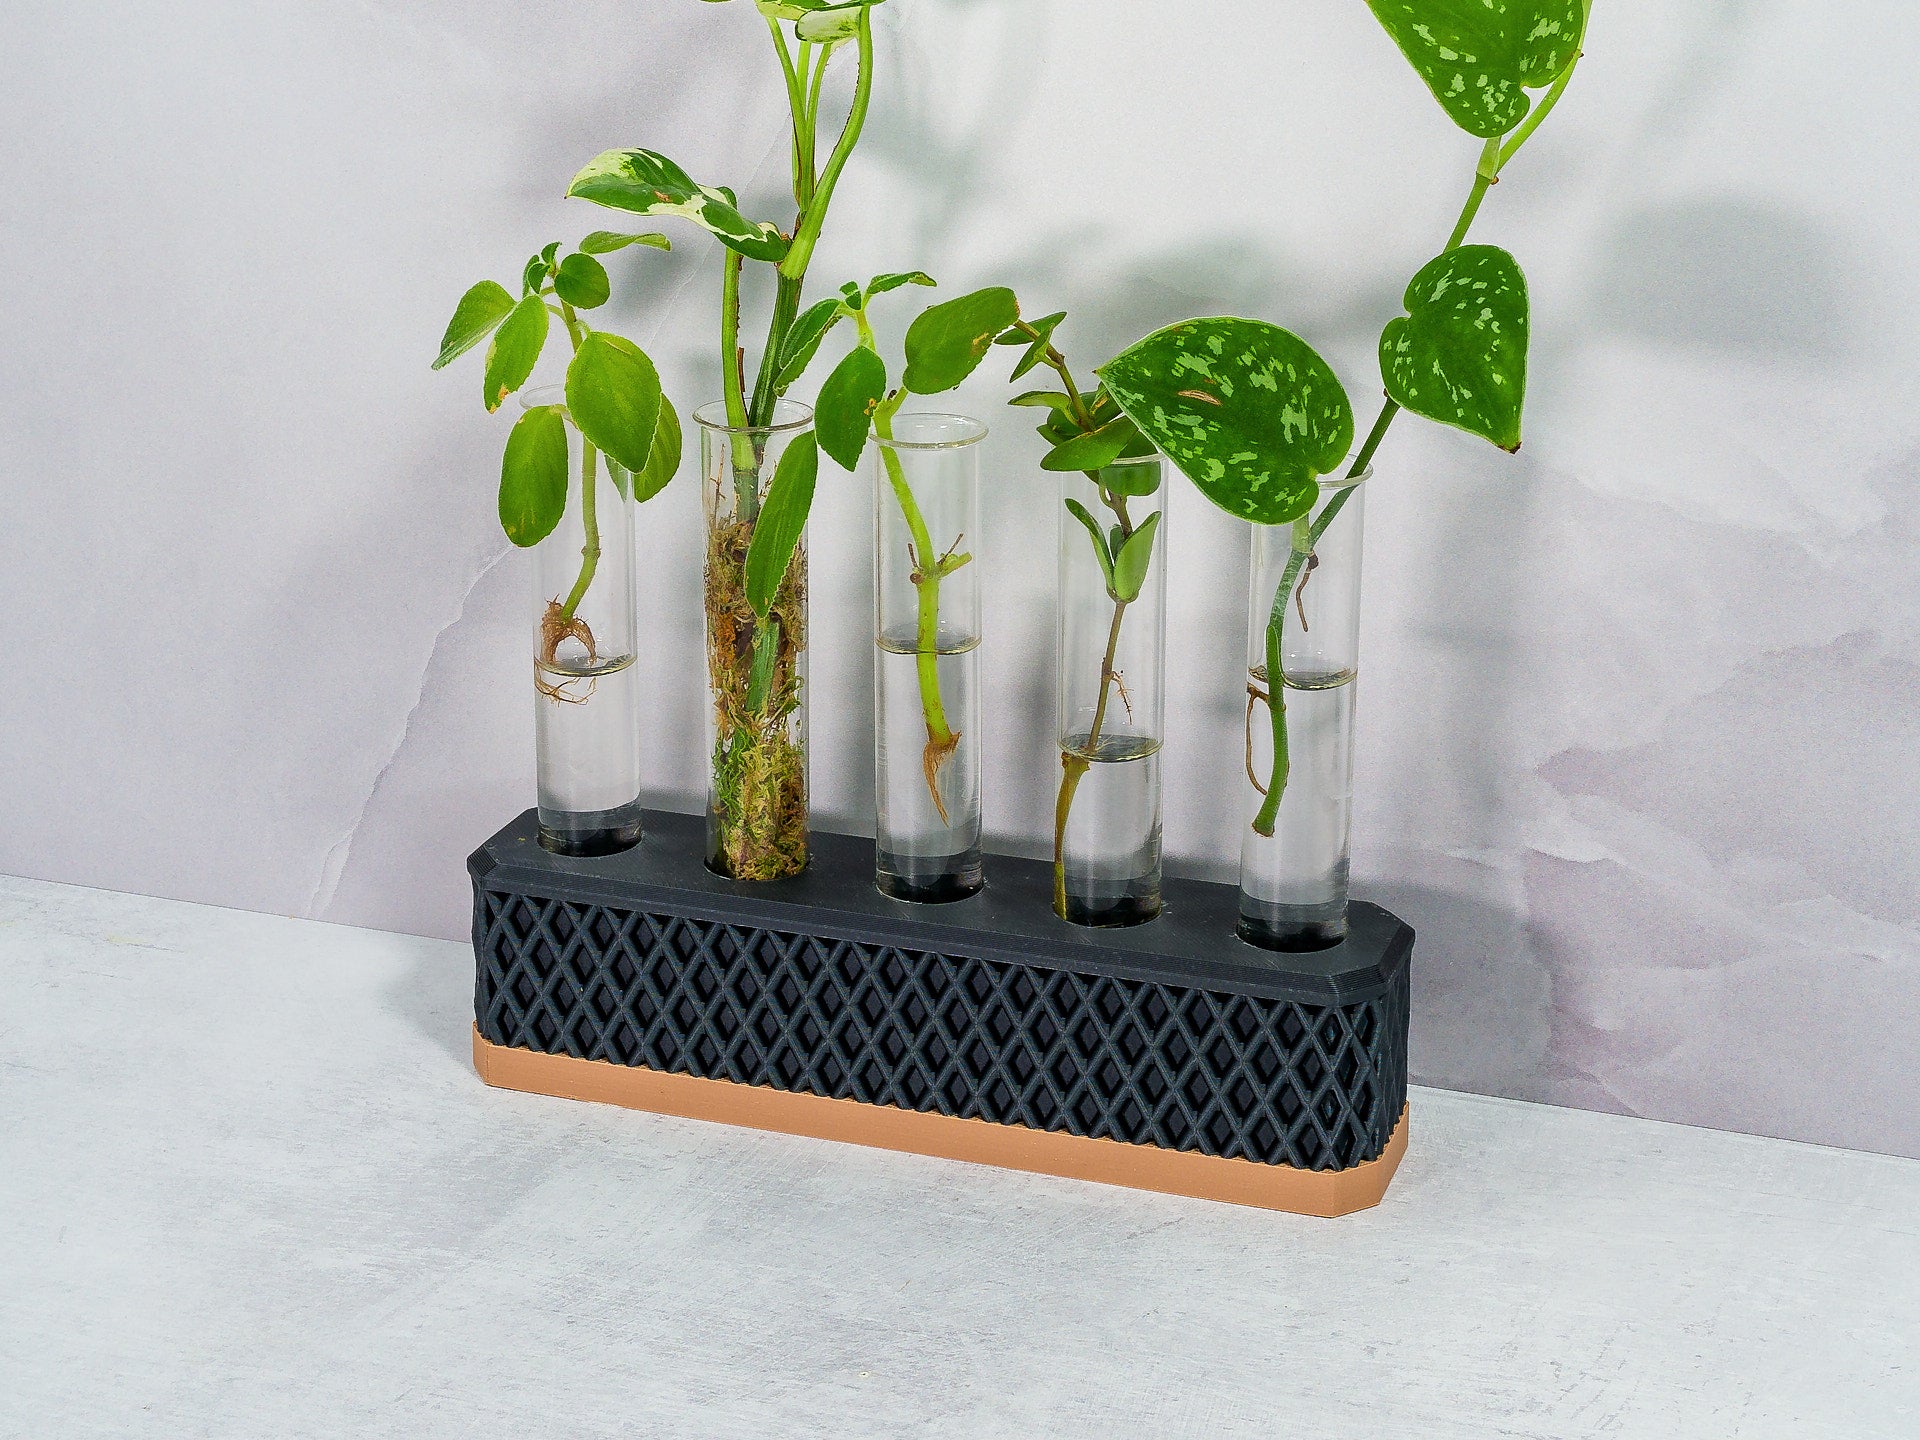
(1248, 411)
(646, 183)
(1480, 57)
(1459, 354)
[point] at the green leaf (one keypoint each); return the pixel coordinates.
(1037, 351)
(534, 275)
(1093, 451)
(1079, 512)
(1131, 564)
(1247, 410)
(1131, 480)
(843, 416)
(613, 394)
(1480, 57)
(1459, 354)
(582, 282)
(1052, 399)
(516, 346)
(766, 653)
(649, 184)
(783, 516)
(803, 340)
(948, 341)
(533, 476)
(663, 461)
(605, 242)
(621, 476)
(477, 316)
(881, 284)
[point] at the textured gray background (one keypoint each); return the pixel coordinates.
(1638, 738)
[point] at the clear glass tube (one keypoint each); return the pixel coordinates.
(1111, 653)
(926, 690)
(756, 671)
(585, 676)
(1293, 882)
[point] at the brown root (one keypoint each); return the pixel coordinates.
(557, 626)
(1254, 693)
(933, 760)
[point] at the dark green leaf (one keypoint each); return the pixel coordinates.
(1093, 451)
(533, 476)
(1037, 351)
(605, 242)
(1079, 512)
(1130, 565)
(843, 417)
(803, 339)
(582, 282)
(1057, 428)
(881, 284)
(1248, 411)
(645, 183)
(1480, 57)
(663, 461)
(1459, 354)
(783, 516)
(477, 316)
(613, 394)
(516, 346)
(1130, 480)
(946, 344)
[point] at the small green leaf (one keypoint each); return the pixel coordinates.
(1480, 57)
(613, 394)
(605, 242)
(1131, 480)
(843, 416)
(1037, 351)
(1052, 399)
(582, 282)
(533, 276)
(549, 250)
(1079, 512)
(516, 347)
(1459, 354)
(1093, 451)
(663, 462)
(533, 476)
(646, 183)
(803, 340)
(1131, 564)
(477, 316)
(947, 343)
(783, 517)
(766, 653)
(1248, 411)
(621, 476)
(881, 284)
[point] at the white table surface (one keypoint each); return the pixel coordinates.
(249, 1186)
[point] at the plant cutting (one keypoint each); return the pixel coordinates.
(577, 460)
(759, 457)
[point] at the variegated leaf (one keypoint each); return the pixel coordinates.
(1480, 57)
(1459, 354)
(1248, 411)
(646, 183)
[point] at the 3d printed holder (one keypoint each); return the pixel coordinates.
(1171, 1056)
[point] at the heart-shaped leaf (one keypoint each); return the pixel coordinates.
(533, 476)
(843, 416)
(581, 281)
(664, 459)
(650, 184)
(783, 516)
(605, 242)
(516, 347)
(1247, 410)
(613, 394)
(1131, 563)
(1459, 354)
(477, 316)
(948, 341)
(1480, 57)
(803, 339)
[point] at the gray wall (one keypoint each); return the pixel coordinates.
(1638, 739)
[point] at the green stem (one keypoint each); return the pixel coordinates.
(807, 234)
(589, 521)
(746, 488)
